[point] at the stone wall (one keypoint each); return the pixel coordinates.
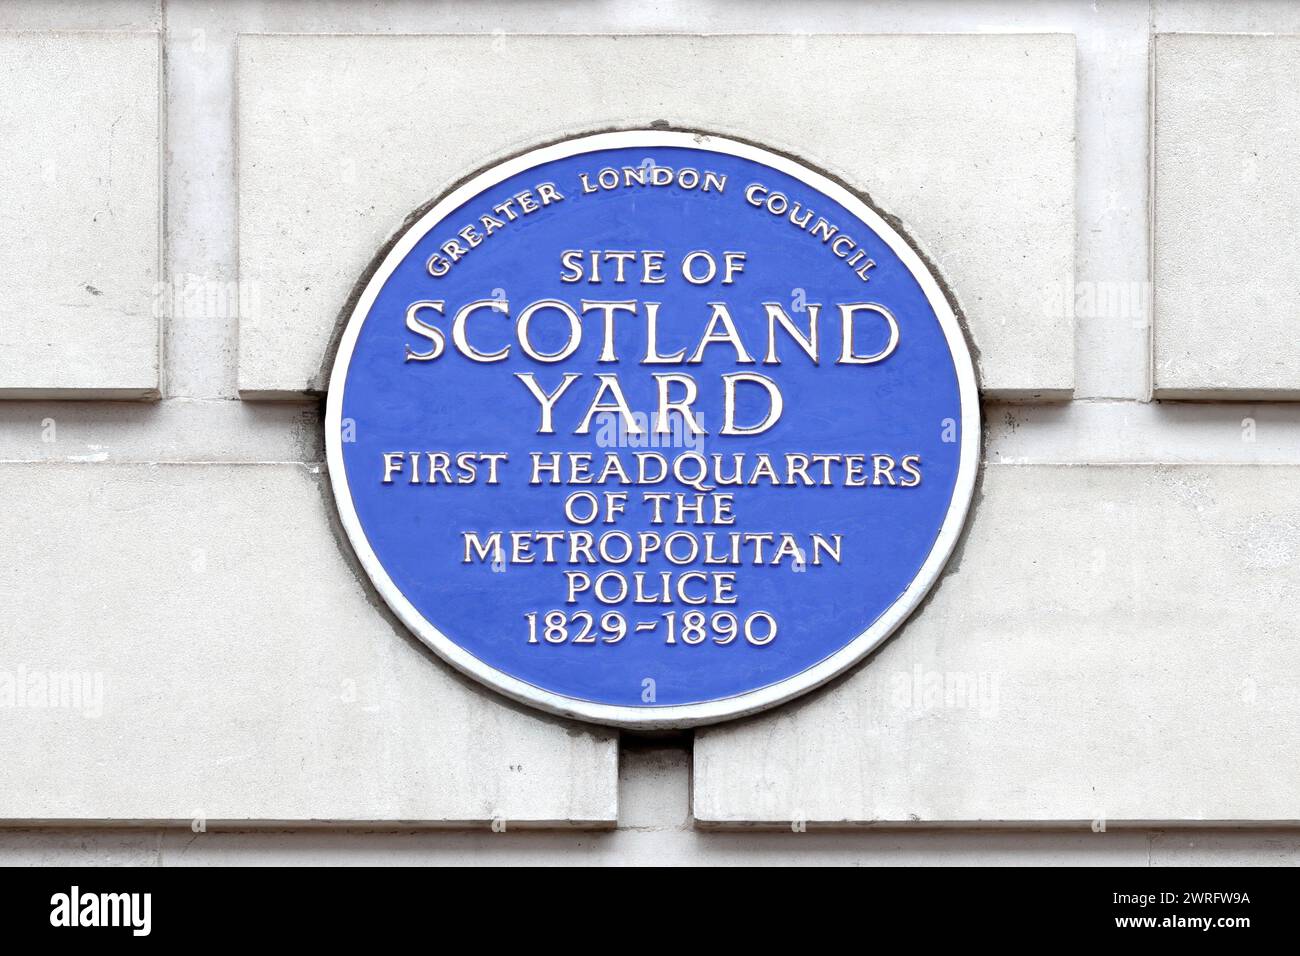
(1107, 672)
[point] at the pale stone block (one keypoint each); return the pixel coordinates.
(1111, 643)
(100, 15)
(1226, 848)
(634, 847)
(654, 786)
(79, 239)
(80, 847)
(967, 139)
(1227, 251)
(235, 668)
(174, 430)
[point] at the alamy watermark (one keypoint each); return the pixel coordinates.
(53, 690)
(1089, 299)
(203, 297)
(648, 430)
(921, 690)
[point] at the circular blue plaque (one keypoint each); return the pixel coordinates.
(652, 428)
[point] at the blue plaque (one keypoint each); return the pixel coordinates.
(652, 428)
